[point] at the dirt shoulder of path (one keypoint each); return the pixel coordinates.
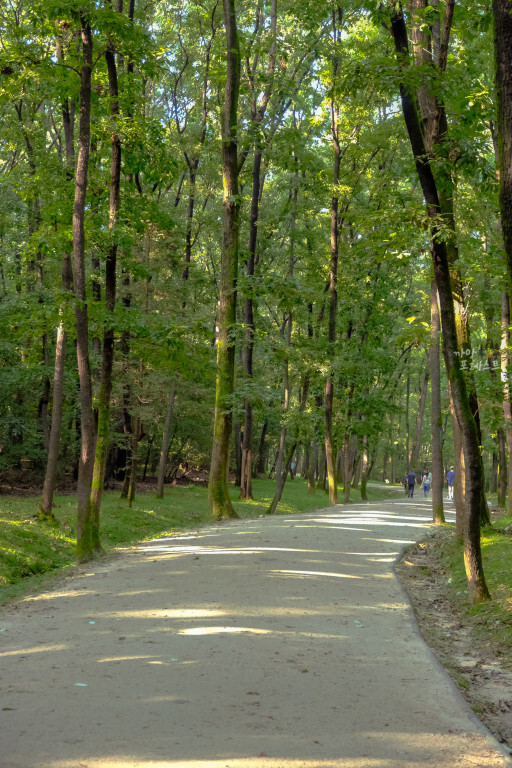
(482, 673)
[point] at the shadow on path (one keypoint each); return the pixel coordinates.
(282, 642)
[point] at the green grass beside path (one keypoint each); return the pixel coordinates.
(31, 551)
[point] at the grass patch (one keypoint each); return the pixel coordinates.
(492, 619)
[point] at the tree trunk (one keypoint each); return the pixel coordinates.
(407, 426)
(110, 301)
(503, 72)
(218, 491)
(364, 469)
(52, 463)
(435, 378)
(416, 444)
(260, 466)
(502, 469)
(165, 445)
(474, 478)
(333, 287)
(246, 475)
(505, 378)
(313, 467)
(50, 479)
(134, 464)
(84, 532)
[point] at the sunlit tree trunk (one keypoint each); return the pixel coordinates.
(218, 492)
(435, 385)
(474, 475)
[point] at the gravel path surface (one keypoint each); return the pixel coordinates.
(281, 642)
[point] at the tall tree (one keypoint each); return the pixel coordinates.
(85, 522)
(218, 491)
(474, 488)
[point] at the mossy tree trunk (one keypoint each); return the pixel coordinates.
(218, 491)
(507, 406)
(246, 470)
(102, 440)
(330, 451)
(474, 476)
(503, 47)
(435, 385)
(84, 533)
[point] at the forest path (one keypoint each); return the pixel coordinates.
(281, 642)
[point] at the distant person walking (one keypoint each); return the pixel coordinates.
(450, 479)
(411, 482)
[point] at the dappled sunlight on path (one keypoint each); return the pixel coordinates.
(277, 642)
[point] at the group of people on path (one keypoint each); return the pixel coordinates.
(411, 478)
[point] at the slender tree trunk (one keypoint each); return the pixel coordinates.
(407, 426)
(165, 445)
(503, 73)
(134, 464)
(313, 467)
(364, 469)
(52, 463)
(333, 286)
(110, 300)
(474, 479)
(435, 378)
(260, 466)
(246, 475)
(280, 468)
(502, 469)
(416, 445)
(347, 469)
(505, 378)
(218, 492)
(84, 533)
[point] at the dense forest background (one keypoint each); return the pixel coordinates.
(214, 208)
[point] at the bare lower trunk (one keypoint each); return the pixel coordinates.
(260, 466)
(505, 378)
(313, 467)
(416, 445)
(347, 470)
(364, 469)
(134, 464)
(84, 532)
(165, 445)
(435, 378)
(246, 474)
(502, 469)
(107, 362)
(50, 478)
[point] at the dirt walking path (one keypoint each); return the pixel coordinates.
(281, 642)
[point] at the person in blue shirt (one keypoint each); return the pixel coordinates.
(450, 479)
(411, 482)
